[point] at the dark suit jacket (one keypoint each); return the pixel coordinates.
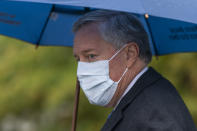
(152, 104)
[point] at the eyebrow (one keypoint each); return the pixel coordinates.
(85, 51)
(88, 50)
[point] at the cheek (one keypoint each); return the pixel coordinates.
(116, 68)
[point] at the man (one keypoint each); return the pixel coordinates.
(112, 50)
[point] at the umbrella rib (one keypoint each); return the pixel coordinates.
(43, 29)
(61, 9)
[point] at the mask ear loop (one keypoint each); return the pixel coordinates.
(123, 75)
(115, 56)
(117, 52)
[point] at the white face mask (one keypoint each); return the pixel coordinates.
(95, 81)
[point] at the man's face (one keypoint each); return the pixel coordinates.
(89, 46)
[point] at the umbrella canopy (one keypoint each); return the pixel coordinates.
(171, 25)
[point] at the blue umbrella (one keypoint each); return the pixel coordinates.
(171, 25)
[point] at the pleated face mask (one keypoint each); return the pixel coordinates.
(95, 81)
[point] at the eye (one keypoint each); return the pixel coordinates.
(91, 56)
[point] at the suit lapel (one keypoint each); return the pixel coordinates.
(115, 117)
(144, 81)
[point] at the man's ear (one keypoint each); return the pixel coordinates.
(132, 53)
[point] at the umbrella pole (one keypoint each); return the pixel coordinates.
(75, 110)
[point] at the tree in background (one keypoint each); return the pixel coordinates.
(37, 87)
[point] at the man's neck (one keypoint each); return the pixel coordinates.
(132, 84)
(132, 72)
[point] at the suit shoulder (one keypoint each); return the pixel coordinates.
(160, 102)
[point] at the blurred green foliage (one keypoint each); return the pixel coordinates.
(37, 87)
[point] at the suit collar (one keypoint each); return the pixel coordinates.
(148, 78)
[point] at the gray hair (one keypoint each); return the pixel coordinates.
(118, 28)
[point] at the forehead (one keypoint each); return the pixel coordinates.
(89, 37)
